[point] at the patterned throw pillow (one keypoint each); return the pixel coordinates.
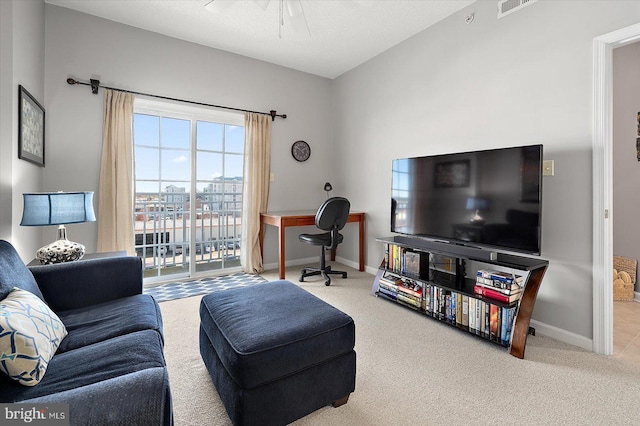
(30, 334)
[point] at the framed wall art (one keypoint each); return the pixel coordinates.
(30, 128)
(452, 174)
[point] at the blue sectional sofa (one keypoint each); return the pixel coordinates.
(110, 367)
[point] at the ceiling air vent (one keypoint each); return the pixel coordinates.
(506, 7)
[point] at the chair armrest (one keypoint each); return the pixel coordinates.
(84, 283)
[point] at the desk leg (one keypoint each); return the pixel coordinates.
(361, 226)
(261, 239)
(281, 235)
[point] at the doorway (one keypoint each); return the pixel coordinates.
(603, 183)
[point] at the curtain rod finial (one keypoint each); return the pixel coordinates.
(273, 113)
(72, 81)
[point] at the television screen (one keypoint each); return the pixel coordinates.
(481, 198)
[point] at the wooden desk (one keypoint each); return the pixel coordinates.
(284, 219)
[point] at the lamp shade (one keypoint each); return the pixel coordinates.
(57, 208)
(477, 204)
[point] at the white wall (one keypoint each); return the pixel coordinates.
(6, 116)
(626, 167)
(22, 57)
(83, 47)
(523, 79)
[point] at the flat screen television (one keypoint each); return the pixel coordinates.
(490, 198)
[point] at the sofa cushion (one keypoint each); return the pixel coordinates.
(266, 332)
(110, 319)
(30, 333)
(14, 273)
(139, 398)
(91, 364)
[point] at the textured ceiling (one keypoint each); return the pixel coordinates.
(343, 33)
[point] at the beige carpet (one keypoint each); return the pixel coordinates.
(414, 370)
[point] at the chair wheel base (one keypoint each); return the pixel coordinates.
(326, 274)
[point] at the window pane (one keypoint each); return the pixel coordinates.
(233, 165)
(146, 130)
(209, 135)
(234, 139)
(147, 163)
(145, 186)
(209, 166)
(175, 165)
(175, 133)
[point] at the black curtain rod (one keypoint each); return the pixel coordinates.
(95, 84)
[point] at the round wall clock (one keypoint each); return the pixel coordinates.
(301, 150)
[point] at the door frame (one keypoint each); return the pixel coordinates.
(603, 183)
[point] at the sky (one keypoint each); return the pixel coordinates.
(171, 164)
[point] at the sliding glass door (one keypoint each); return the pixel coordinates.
(188, 201)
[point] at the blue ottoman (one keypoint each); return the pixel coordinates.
(276, 353)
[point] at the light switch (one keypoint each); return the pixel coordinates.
(272, 177)
(547, 168)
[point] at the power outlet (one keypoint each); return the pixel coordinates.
(548, 168)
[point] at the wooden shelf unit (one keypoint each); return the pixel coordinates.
(454, 280)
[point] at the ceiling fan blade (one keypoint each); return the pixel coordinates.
(297, 17)
(218, 6)
(294, 8)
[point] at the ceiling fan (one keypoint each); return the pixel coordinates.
(292, 9)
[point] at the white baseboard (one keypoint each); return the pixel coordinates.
(347, 262)
(355, 265)
(314, 261)
(562, 335)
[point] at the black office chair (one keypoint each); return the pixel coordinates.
(331, 216)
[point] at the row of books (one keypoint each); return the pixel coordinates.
(403, 290)
(402, 260)
(498, 285)
(474, 315)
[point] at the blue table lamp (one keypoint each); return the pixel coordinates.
(58, 208)
(477, 204)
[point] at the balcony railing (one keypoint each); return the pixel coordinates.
(164, 234)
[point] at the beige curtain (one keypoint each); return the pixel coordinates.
(255, 190)
(115, 196)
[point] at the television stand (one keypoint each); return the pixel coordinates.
(444, 247)
(429, 277)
